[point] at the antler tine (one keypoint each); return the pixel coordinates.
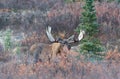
(81, 35)
(71, 37)
(49, 34)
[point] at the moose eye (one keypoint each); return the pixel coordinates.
(59, 40)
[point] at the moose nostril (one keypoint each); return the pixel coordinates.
(69, 47)
(67, 44)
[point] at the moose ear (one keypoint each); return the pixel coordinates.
(49, 34)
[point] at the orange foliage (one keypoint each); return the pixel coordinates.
(113, 55)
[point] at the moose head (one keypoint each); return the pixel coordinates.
(60, 40)
(46, 52)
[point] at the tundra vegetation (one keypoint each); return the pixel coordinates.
(59, 39)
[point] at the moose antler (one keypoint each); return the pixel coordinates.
(81, 34)
(71, 39)
(49, 34)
